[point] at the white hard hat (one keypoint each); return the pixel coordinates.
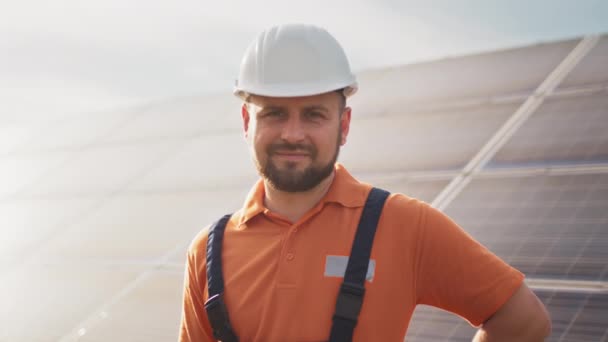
(294, 60)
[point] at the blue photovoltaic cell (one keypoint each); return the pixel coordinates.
(546, 226)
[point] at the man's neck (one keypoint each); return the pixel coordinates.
(293, 205)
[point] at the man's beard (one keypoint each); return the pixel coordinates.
(290, 179)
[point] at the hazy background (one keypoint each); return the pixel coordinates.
(64, 57)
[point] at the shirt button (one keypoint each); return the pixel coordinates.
(290, 256)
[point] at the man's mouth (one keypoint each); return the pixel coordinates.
(292, 155)
(291, 152)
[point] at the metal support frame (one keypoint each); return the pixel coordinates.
(516, 120)
(563, 285)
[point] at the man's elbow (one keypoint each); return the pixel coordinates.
(534, 329)
(540, 321)
(544, 322)
(522, 318)
(539, 328)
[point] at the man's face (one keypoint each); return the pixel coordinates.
(296, 140)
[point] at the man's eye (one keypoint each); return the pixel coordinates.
(273, 114)
(314, 115)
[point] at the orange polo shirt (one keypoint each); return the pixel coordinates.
(282, 278)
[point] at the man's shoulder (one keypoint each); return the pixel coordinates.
(198, 246)
(403, 204)
(403, 210)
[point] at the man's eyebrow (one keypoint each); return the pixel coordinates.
(272, 108)
(284, 109)
(315, 107)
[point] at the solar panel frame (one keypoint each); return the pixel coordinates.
(593, 69)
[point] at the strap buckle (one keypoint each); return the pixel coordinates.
(350, 300)
(218, 318)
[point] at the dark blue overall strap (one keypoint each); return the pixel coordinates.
(350, 297)
(215, 306)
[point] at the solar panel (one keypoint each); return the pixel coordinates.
(151, 311)
(13, 135)
(73, 133)
(18, 171)
(424, 190)
(100, 170)
(593, 69)
(576, 317)
(148, 226)
(182, 118)
(547, 226)
(28, 223)
(438, 140)
(55, 297)
(432, 324)
(480, 76)
(207, 162)
(178, 260)
(561, 131)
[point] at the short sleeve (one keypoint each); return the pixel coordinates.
(194, 324)
(456, 273)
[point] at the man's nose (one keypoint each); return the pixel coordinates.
(293, 130)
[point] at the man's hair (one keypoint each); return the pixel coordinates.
(342, 104)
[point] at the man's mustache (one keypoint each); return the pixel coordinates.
(287, 147)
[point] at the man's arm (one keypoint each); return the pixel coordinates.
(458, 274)
(194, 326)
(522, 318)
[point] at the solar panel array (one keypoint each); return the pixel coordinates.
(96, 211)
(541, 204)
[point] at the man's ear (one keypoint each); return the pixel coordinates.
(345, 124)
(245, 116)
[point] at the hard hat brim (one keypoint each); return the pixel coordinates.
(299, 90)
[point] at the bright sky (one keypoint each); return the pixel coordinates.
(72, 56)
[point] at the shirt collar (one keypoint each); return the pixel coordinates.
(344, 190)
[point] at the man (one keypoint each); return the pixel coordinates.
(285, 253)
